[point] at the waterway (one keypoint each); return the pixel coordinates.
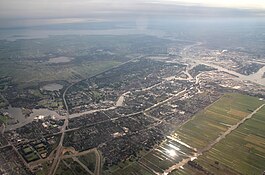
(60, 60)
(17, 115)
(52, 87)
(255, 78)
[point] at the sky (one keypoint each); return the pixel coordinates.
(53, 11)
(47, 8)
(243, 4)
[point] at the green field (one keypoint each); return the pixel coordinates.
(3, 119)
(241, 152)
(28, 72)
(89, 160)
(28, 60)
(69, 166)
(207, 125)
(45, 169)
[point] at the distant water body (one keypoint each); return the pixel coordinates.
(52, 87)
(17, 115)
(156, 27)
(15, 34)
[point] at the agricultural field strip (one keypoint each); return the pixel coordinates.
(208, 147)
(240, 147)
(234, 127)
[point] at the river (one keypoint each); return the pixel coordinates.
(255, 78)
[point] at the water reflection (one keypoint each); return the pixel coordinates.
(18, 119)
(171, 153)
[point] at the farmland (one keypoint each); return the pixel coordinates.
(89, 160)
(69, 58)
(239, 152)
(22, 72)
(210, 123)
(69, 166)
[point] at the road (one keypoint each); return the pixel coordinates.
(163, 102)
(230, 130)
(98, 163)
(98, 166)
(91, 112)
(82, 165)
(75, 154)
(210, 145)
(59, 149)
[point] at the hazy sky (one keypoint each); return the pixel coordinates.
(94, 10)
(16, 8)
(38, 8)
(245, 4)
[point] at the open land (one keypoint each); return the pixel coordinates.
(242, 151)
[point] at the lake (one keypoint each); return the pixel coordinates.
(52, 87)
